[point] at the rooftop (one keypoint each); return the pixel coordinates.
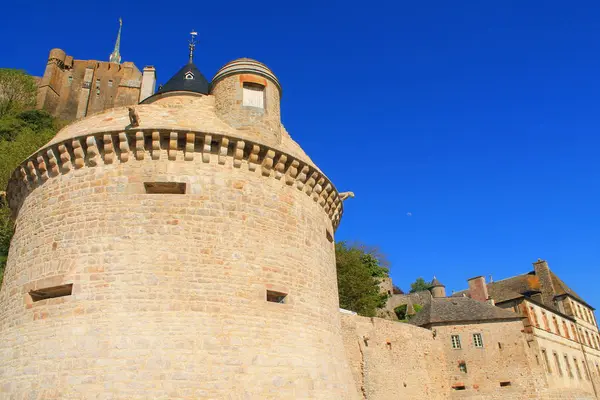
(459, 309)
(523, 286)
(188, 79)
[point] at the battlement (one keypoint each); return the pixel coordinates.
(71, 89)
(114, 147)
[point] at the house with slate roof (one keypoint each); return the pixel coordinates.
(559, 326)
(483, 346)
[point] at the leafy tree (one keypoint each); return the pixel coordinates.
(401, 312)
(357, 273)
(419, 285)
(17, 91)
(22, 132)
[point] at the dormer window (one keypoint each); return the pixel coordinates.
(253, 95)
(189, 75)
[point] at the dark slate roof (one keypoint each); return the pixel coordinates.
(436, 283)
(178, 82)
(460, 310)
(523, 286)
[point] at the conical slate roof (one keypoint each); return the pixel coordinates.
(436, 283)
(189, 79)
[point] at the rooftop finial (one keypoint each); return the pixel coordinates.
(192, 45)
(115, 57)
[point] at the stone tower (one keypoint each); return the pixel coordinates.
(190, 256)
(437, 288)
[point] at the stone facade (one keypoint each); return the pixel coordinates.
(225, 289)
(392, 360)
(497, 367)
(72, 89)
(192, 257)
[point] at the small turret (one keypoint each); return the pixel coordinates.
(437, 288)
(247, 96)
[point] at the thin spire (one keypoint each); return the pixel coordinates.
(115, 57)
(192, 45)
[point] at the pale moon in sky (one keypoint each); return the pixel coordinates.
(409, 214)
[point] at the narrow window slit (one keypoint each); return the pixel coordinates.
(504, 384)
(328, 235)
(51, 292)
(276, 297)
(165, 187)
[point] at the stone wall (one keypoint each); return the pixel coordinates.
(394, 360)
(169, 290)
(500, 369)
(71, 89)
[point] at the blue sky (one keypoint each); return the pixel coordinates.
(468, 130)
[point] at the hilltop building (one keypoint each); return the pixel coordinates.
(72, 89)
(184, 249)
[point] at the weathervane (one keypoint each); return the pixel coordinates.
(192, 44)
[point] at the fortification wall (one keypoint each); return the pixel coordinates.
(498, 369)
(169, 290)
(394, 360)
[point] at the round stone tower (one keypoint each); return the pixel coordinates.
(186, 253)
(437, 288)
(247, 96)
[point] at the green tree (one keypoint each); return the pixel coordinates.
(22, 132)
(357, 273)
(419, 285)
(401, 312)
(6, 230)
(17, 91)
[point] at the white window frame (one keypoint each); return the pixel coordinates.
(478, 340)
(253, 95)
(455, 339)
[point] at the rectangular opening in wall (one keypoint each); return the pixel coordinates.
(51, 292)
(459, 387)
(328, 235)
(276, 297)
(504, 384)
(253, 95)
(165, 187)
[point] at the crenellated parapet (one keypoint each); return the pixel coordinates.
(63, 157)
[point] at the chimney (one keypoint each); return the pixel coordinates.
(542, 272)
(478, 289)
(148, 83)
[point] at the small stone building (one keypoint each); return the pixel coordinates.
(485, 351)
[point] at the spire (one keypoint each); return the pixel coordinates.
(192, 45)
(115, 57)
